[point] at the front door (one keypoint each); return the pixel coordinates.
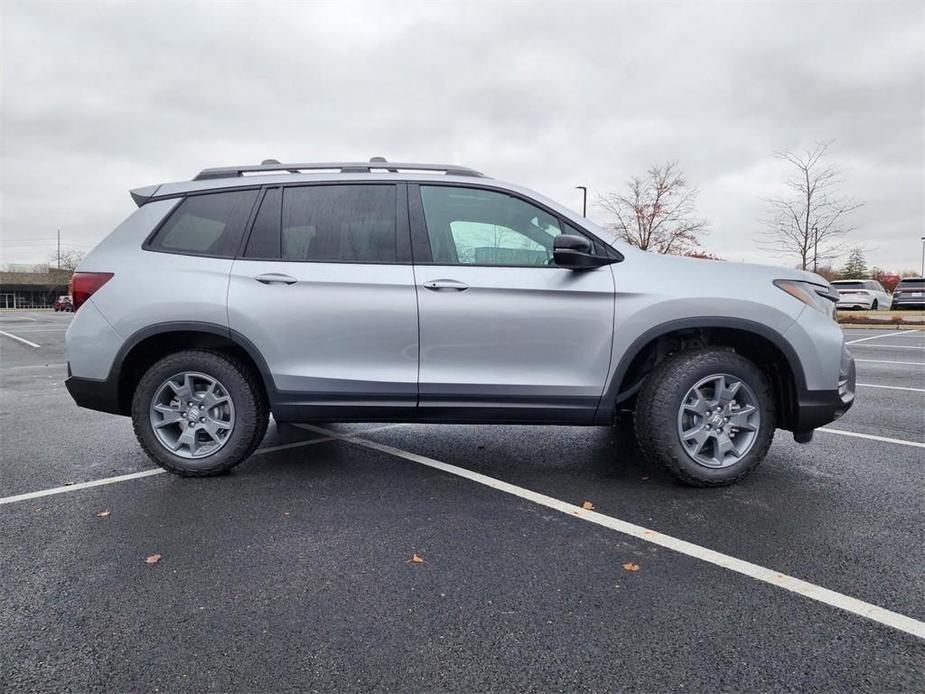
(325, 292)
(504, 333)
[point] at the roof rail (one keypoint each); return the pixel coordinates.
(374, 164)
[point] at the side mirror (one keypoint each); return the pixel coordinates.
(576, 253)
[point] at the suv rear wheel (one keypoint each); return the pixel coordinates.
(199, 413)
(707, 415)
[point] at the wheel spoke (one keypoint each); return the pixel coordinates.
(170, 415)
(213, 426)
(179, 389)
(729, 391)
(210, 399)
(739, 419)
(699, 406)
(188, 439)
(699, 435)
(724, 445)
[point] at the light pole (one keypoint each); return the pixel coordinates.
(923, 257)
(584, 200)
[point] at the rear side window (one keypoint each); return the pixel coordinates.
(338, 223)
(211, 224)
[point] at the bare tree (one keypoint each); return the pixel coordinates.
(656, 212)
(70, 259)
(810, 220)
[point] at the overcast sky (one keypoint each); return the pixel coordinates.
(98, 98)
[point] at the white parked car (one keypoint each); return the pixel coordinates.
(868, 295)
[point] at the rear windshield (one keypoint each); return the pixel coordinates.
(848, 285)
(911, 283)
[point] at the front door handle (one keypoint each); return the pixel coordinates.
(448, 285)
(275, 278)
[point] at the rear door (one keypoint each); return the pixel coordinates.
(325, 292)
(505, 334)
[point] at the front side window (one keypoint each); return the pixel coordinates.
(468, 226)
(345, 223)
(211, 224)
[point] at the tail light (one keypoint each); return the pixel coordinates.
(85, 284)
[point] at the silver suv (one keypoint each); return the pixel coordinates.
(427, 293)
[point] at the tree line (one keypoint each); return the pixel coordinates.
(807, 222)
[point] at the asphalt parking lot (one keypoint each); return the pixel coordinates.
(293, 572)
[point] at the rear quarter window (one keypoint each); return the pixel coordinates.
(211, 224)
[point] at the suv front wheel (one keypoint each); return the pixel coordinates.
(199, 412)
(707, 415)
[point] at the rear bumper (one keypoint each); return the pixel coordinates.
(100, 395)
(816, 408)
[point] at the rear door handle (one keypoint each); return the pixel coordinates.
(448, 285)
(275, 278)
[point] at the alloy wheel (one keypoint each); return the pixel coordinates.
(192, 414)
(718, 420)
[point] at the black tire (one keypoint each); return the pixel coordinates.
(874, 305)
(250, 407)
(660, 400)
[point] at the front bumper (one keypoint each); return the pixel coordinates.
(816, 408)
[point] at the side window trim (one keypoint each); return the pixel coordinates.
(422, 253)
(402, 232)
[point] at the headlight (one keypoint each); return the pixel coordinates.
(822, 298)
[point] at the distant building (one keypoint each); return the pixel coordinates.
(32, 289)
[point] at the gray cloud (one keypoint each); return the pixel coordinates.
(101, 97)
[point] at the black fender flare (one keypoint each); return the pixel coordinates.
(203, 327)
(609, 402)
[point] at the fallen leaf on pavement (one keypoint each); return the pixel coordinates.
(104, 514)
(415, 559)
(587, 505)
(630, 566)
(153, 559)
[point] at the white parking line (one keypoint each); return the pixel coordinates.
(843, 602)
(13, 319)
(158, 471)
(877, 337)
(871, 385)
(20, 339)
(890, 361)
(883, 346)
(885, 439)
(31, 366)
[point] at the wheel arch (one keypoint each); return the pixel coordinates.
(763, 345)
(147, 345)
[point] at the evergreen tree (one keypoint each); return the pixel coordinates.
(856, 267)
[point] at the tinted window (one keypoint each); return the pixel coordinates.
(339, 223)
(848, 285)
(210, 224)
(467, 226)
(264, 239)
(909, 284)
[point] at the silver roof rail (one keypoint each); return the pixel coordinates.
(374, 164)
